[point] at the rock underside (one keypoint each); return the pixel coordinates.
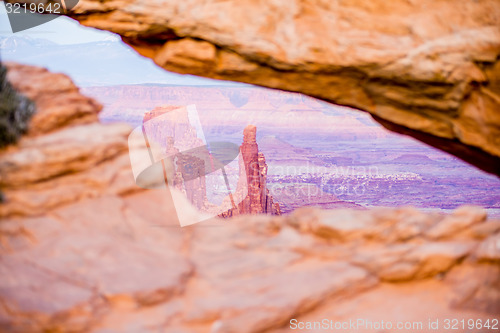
(417, 66)
(82, 249)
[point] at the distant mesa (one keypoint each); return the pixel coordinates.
(283, 98)
(238, 98)
(337, 160)
(11, 43)
(158, 111)
(413, 159)
(112, 38)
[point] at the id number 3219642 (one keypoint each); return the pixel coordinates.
(471, 324)
(40, 8)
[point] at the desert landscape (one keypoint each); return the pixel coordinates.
(359, 194)
(317, 150)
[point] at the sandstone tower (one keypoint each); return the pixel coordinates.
(253, 168)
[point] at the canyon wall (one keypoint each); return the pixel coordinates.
(66, 154)
(82, 249)
(417, 66)
(187, 171)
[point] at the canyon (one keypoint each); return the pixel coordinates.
(173, 136)
(416, 66)
(332, 156)
(411, 235)
(84, 249)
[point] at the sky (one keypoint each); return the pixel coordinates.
(61, 30)
(122, 66)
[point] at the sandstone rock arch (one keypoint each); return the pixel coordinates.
(425, 68)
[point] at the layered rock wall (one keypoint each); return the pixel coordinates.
(66, 155)
(178, 132)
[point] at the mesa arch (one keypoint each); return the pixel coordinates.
(425, 68)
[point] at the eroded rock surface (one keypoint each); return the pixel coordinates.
(66, 154)
(122, 263)
(83, 250)
(431, 66)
